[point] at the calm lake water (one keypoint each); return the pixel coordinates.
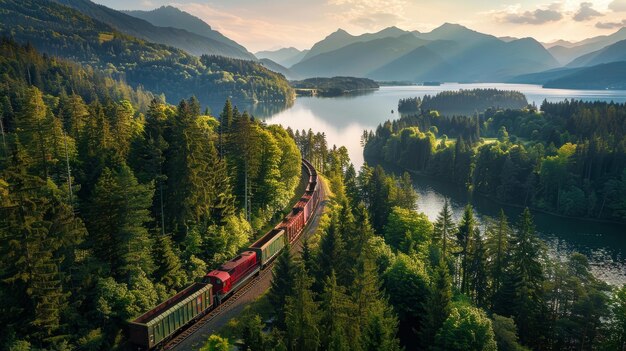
(343, 120)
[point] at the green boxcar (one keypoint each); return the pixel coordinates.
(269, 246)
(149, 329)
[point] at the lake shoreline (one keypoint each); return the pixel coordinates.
(491, 198)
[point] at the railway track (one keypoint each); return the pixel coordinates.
(230, 302)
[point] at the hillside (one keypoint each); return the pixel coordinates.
(612, 53)
(60, 30)
(286, 56)
(604, 76)
(169, 16)
(173, 36)
(278, 68)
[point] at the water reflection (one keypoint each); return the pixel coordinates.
(602, 243)
(260, 110)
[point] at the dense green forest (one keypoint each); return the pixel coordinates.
(569, 158)
(379, 275)
(112, 199)
(336, 86)
(464, 102)
(62, 31)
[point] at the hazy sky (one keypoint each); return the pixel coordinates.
(270, 24)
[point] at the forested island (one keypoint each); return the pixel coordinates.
(379, 275)
(62, 31)
(112, 199)
(464, 102)
(336, 86)
(568, 158)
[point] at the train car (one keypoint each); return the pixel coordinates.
(269, 246)
(294, 224)
(233, 274)
(158, 324)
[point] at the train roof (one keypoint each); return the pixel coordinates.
(242, 257)
(223, 276)
(267, 237)
(190, 291)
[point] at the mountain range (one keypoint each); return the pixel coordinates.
(450, 52)
(165, 25)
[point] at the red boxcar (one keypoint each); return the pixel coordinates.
(232, 274)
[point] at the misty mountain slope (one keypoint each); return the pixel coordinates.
(286, 56)
(358, 59)
(604, 76)
(612, 53)
(565, 53)
(421, 64)
(341, 38)
(278, 68)
(169, 16)
(190, 42)
(500, 61)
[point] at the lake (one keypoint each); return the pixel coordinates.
(343, 120)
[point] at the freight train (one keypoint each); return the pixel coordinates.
(155, 327)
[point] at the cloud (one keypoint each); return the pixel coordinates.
(611, 25)
(539, 16)
(376, 20)
(585, 12)
(618, 5)
(370, 14)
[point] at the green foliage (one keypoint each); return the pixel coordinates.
(216, 343)
(464, 102)
(117, 213)
(283, 284)
(335, 86)
(301, 316)
(467, 328)
(437, 305)
(407, 285)
(408, 232)
(505, 332)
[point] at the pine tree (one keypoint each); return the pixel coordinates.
(283, 281)
(437, 304)
(335, 317)
(251, 333)
(496, 250)
(527, 278)
(169, 270)
(116, 216)
(443, 230)
(302, 315)
(477, 270)
(464, 236)
(331, 250)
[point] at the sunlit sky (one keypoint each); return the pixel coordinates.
(271, 24)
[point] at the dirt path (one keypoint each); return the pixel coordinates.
(197, 339)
